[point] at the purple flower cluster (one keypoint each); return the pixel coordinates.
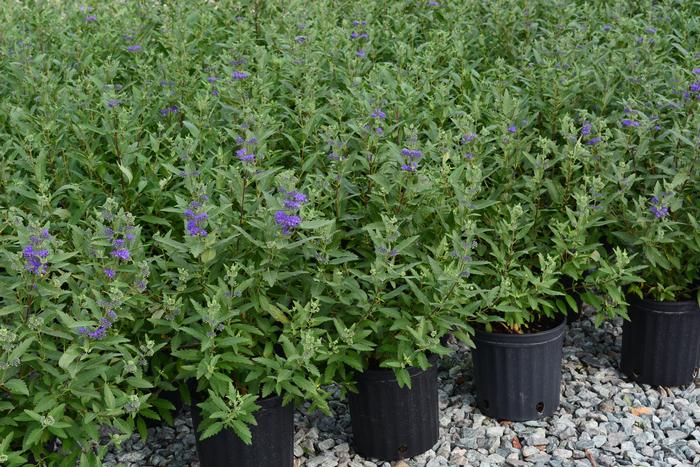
(101, 331)
(512, 128)
(90, 18)
(134, 48)
(629, 122)
(468, 138)
(411, 158)
(586, 131)
(287, 221)
(212, 80)
(245, 152)
(293, 200)
(359, 35)
(658, 207)
(196, 219)
(173, 109)
(35, 254)
(119, 239)
(239, 75)
(300, 39)
(112, 103)
(378, 115)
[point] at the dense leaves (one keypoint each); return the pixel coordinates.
(255, 198)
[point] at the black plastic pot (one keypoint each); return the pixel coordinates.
(518, 376)
(661, 342)
(391, 423)
(273, 439)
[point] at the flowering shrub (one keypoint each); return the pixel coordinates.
(267, 200)
(71, 361)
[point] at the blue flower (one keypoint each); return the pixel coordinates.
(628, 122)
(238, 75)
(133, 48)
(287, 222)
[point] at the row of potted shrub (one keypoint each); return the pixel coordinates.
(325, 206)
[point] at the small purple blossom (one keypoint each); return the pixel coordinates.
(378, 113)
(169, 110)
(212, 79)
(134, 48)
(629, 122)
(121, 253)
(361, 53)
(586, 129)
(244, 156)
(300, 39)
(433, 3)
(469, 156)
(696, 71)
(594, 141)
(379, 130)
(90, 18)
(215, 92)
(468, 138)
(607, 27)
(413, 153)
(238, 75)
(287, 222)
(695, 87)
(410, 167)
(512, 128)
(112, 103)
(196, 220)
(110, 273)
(294, 199)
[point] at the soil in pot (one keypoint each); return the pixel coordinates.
(273, 438)
(661, 342)
(390, 422)
(518, 376)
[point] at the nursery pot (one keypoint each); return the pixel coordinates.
(518, 376)
(390, 422)
(273, 438)
(661, 342)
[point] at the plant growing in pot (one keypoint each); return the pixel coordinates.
(655, 215)
(542, 231)
(245, 330)
(401, 284)
(661, 339)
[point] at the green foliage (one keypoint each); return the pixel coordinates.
(258, 160)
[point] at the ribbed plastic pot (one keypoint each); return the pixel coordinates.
(661, 342)
(273, 439)
(518, 376)
(391, 423)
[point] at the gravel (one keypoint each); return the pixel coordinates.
(603, 420)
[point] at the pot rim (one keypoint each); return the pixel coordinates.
(386, 375)
(664, 306)
(524, 340)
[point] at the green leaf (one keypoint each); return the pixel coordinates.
(17, 386)
(193, 129)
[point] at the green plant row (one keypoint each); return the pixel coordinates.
(267, 197)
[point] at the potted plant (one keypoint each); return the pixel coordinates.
(655, 210)
(245, 327)
(661, 339)
(542, 242)
(69, 300)
(397, 282)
